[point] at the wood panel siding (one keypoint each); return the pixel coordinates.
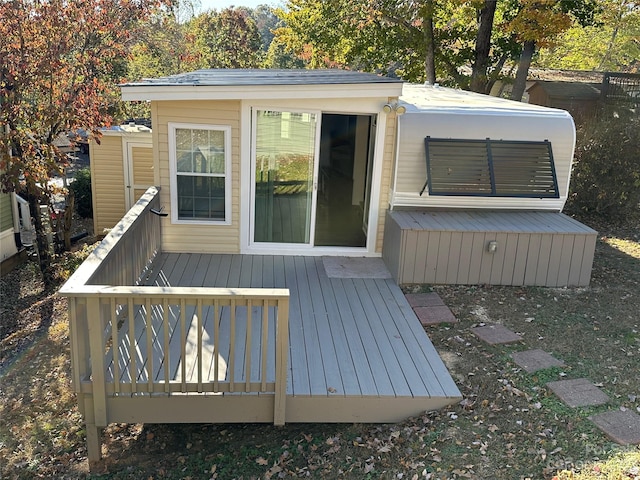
(107, 183)
(198, 238)
(451, 247)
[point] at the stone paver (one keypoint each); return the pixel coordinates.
(496, 334)
(434, 315)
(579, 392)
(534, 360)
(424, 299)
(621, 427)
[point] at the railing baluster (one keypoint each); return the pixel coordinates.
(231, 365)
(264, 345)
(282, 342)
(200, 326)
(133, 370)
(115, 347)
(183, 345)
(165, 356)
(216, 344)
(149, 322)
(247, 348)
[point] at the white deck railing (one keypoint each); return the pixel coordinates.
(133, 340)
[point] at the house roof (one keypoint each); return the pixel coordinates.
(428, 98)
(574, 90)
(262, 83)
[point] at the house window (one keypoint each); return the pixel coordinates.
(200, 160)
(490, 168)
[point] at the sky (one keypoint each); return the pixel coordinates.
(222, 4)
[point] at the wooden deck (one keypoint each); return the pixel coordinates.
(357, 351)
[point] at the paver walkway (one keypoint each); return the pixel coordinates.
(496, 334)
(534, 360)
(578, 392)
(622, 426)
(430, 309)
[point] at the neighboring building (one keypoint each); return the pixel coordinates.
(7, 232)
(121, 170)
(578, 98)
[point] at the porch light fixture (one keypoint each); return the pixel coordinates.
(492, 246)
(394, 107)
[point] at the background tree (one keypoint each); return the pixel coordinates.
(226, 39)
(539, 23)
(611, 43)
(418, 40)
(61, 63)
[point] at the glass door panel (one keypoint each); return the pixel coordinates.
(284, 176)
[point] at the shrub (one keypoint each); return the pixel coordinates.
(81, 188)
(605, 181)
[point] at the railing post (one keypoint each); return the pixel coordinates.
(96, 349)
(282, 360)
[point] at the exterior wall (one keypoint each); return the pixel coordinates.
(6, 215)
(107, 183)
(143, 171)
(7, 238)
(111, 184)
(411, 172)
(451, 247)
(197, 238)
(387, 175)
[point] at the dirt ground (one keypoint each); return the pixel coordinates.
(509, 425)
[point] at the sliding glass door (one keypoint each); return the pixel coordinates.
(285, 172)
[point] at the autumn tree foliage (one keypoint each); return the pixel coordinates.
(226, 39)
(61, 62)
(419, 40)
(539, 23)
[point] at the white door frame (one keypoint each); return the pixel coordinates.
(316, 161)
(247, 181)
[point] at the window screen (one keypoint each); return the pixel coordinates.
(498, 168)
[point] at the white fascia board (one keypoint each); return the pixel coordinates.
(271, 92)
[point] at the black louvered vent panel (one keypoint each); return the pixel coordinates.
(490, 168)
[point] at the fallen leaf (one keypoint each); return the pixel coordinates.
(261, 461)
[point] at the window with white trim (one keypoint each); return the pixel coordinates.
(200, 160)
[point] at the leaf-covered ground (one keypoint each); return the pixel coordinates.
(509, 425)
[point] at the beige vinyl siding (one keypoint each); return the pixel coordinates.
(142, 170)
(107, 183)
(6, 216)
(189, 237)
(386, 178)
(412, 170)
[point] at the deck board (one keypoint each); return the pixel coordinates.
(349, 337)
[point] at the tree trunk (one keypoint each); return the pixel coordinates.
(520, 83)
(68, 220)
(429, 40)
(479, 82)
(42, 242)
